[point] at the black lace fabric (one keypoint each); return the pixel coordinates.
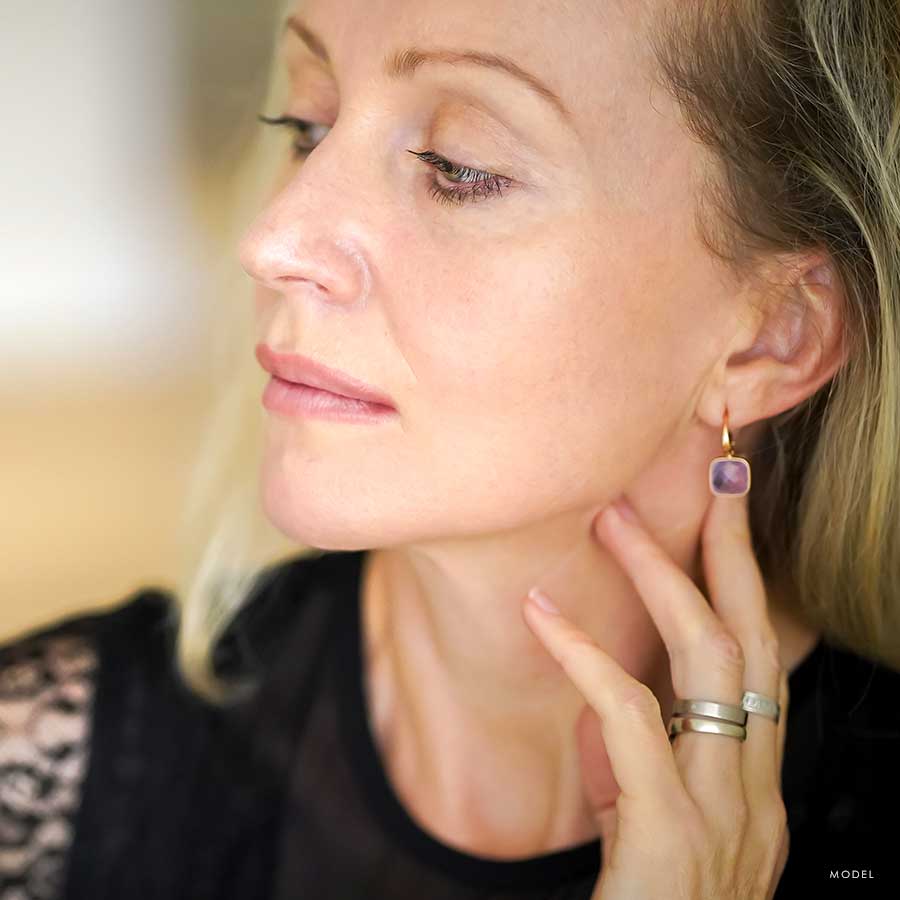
(46, 696)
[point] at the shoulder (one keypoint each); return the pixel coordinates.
(136, 628)
(65, 656)
(48, 693)
(50, 674)
(147, 606)
(89, 706)
(41, 667)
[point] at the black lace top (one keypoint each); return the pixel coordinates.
(116, 782)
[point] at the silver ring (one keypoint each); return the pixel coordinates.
(679, 724)
(728, 712)
(761, 705)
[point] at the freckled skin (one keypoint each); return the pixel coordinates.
(547, 350)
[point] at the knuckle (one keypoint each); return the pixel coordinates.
(727, 650)
(639, 700)
(772, 823)
(778, 818)
(774, 837)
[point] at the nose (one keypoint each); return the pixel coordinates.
(296, 244)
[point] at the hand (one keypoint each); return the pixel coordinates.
(701, 816)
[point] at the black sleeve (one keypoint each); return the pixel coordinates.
(48, 687)
(46, 699)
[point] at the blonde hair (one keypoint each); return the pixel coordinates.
(800, 102)
(225, 542)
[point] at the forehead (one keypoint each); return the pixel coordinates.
(585, 56)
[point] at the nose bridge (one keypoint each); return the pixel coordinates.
(305, 234)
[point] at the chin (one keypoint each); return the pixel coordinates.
(312, 519)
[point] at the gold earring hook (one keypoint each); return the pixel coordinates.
(727, 446)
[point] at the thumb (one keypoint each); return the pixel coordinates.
(600, 786)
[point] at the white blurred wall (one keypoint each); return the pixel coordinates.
(99, 249)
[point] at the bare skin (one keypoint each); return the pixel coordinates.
(548, 349)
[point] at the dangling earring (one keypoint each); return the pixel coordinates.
(729, 475)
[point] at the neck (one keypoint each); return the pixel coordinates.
(460, 686)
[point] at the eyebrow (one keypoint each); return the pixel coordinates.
(404, 63)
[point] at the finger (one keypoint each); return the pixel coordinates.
(784, 699)
(597, 778)
(706, 662)
(784, 850)
(634, 733)
(738, 596)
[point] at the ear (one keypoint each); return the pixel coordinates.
(789, 340)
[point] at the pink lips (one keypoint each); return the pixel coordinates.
(303, 370)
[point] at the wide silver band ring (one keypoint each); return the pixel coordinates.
(679, 724)
(727, 712)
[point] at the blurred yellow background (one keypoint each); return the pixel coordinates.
(123, 125)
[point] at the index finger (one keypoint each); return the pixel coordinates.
(632, 726)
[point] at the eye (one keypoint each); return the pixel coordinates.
(301, 126)
(482, 185)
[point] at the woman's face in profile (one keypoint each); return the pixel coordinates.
(543, 333)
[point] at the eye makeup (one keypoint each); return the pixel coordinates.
(466, 184)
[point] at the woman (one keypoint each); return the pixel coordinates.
(574, 258)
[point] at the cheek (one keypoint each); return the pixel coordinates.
(537, 367)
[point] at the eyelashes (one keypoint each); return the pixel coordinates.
(483, 184)
(473, 185)
(301, 126)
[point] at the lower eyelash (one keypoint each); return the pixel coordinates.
(483, 184)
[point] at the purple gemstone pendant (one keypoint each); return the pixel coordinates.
(729, 476)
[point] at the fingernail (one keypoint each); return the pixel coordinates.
(543, 601)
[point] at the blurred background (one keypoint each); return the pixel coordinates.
(123, 122)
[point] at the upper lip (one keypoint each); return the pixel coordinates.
(303, 370)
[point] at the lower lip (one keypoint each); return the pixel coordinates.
(302, 400)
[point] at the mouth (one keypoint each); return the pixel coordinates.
(303, 370)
